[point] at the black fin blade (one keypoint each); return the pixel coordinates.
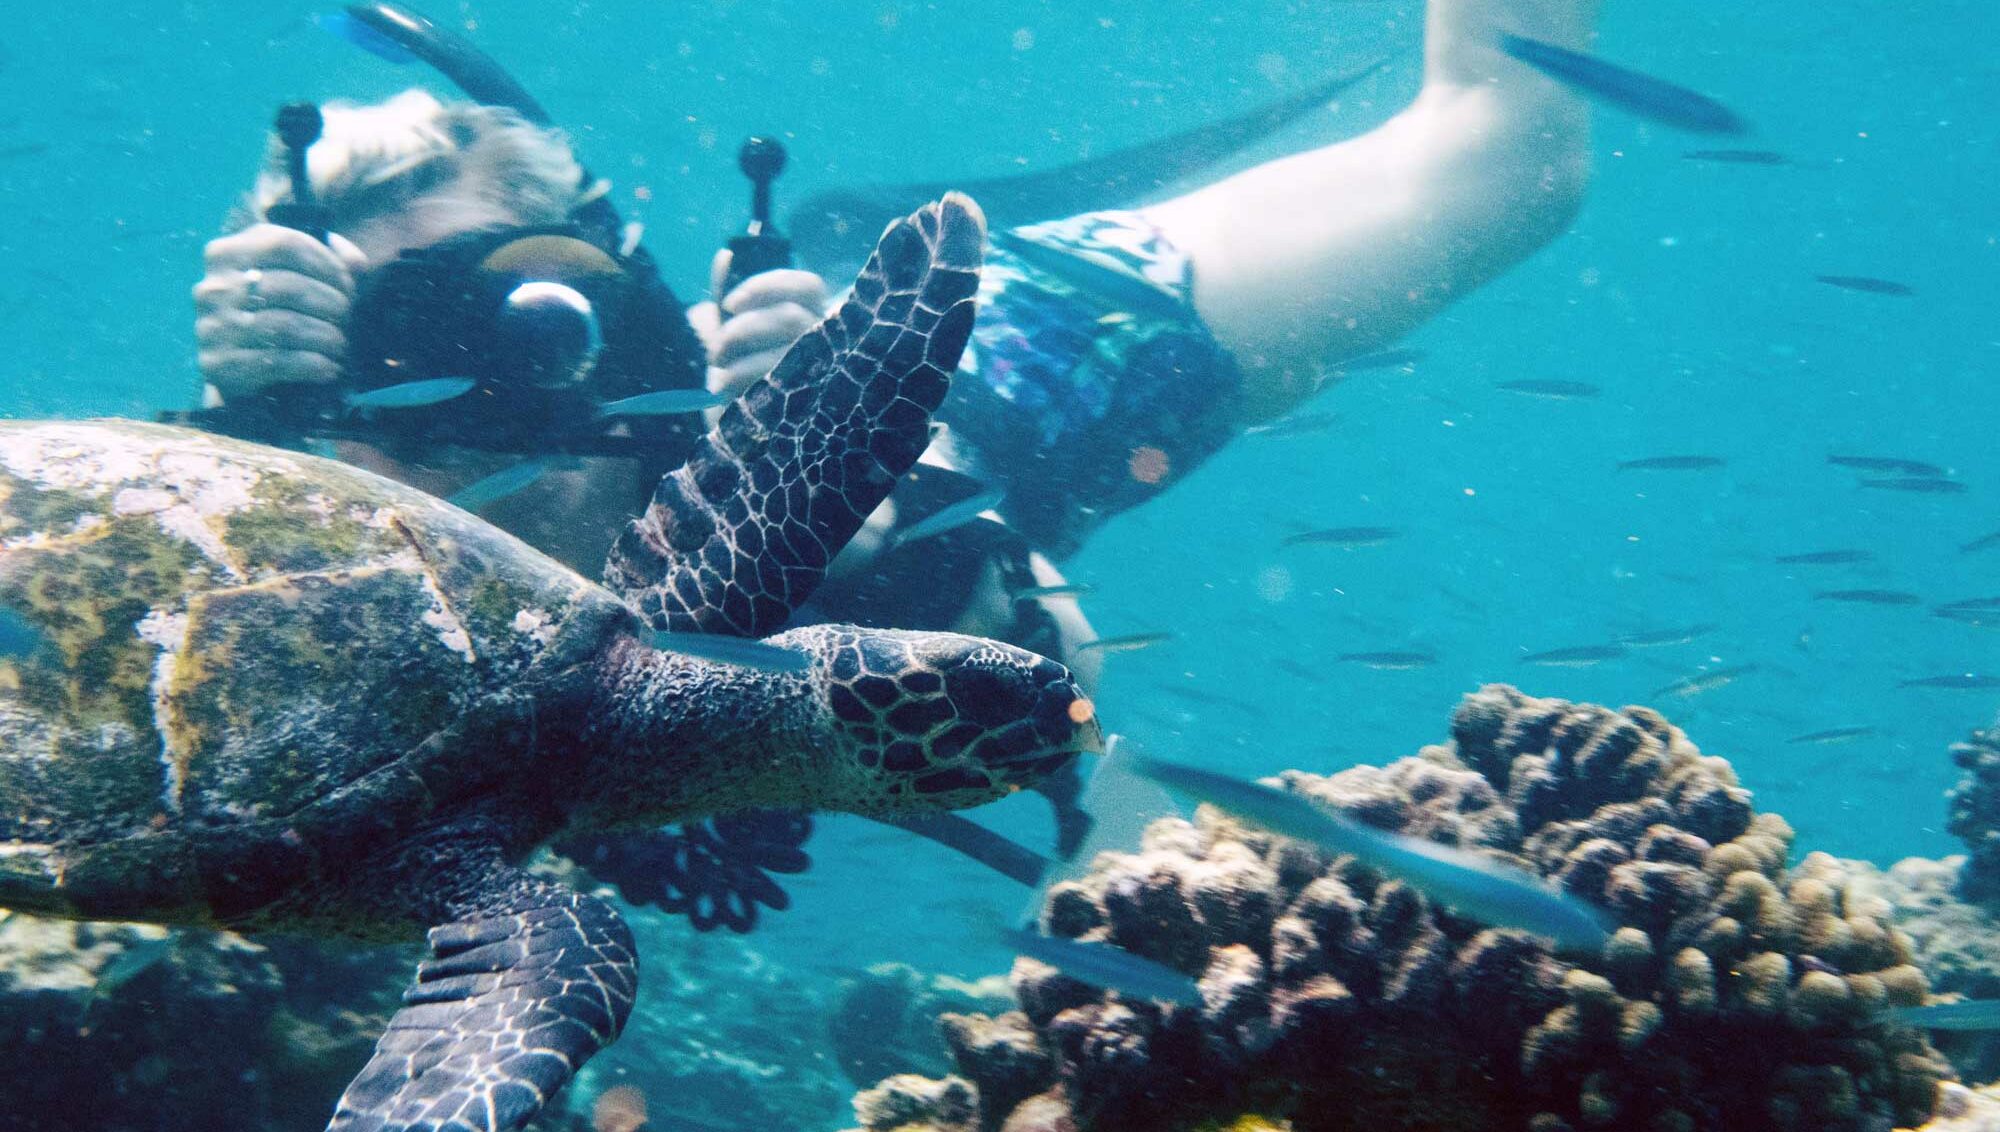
(717, 872)
(739, 536)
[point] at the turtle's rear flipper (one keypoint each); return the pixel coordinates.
(515, 997)
(742, 533)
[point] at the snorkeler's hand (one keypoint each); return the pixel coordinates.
(272, 308)
(756, 323)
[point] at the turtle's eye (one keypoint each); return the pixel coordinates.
(954, 721)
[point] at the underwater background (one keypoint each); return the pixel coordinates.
(1685, 292)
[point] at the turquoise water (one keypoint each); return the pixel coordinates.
(1685, 291)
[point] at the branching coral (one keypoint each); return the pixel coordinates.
(1739, 994)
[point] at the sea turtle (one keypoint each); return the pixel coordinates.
(256, 689)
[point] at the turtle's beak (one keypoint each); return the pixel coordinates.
(1065, 725)
(1077, 727)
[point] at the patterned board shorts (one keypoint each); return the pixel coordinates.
(1090, 384)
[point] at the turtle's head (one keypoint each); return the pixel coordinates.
(939, 720)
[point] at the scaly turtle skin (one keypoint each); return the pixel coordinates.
(269, 690)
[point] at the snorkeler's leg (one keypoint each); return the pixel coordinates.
(1326, 254)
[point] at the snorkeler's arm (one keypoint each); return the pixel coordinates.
(272, 307)
(1323, 255)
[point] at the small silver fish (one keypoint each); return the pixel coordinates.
(1921, 485)
(1825, 558)
(1705, 681)
(949, 519)
(507, 481)
(1831, 735)
(1094, 274)
(1390, 659)
(1550, 390)
(1298, 424)
(1066, 589)
(1662, 637)
(1968, 1015)
(737, 652)
(1983, 542)
(1957, 682)
(410, 394)
(1106, 967)
(1868, 284)
(1737, 156)
(1127, 643)
(1479, 887)
(1347, 537)
(1869, 597)
(127, 965)
(664, 403)
(1886, 464)
(1580, 656)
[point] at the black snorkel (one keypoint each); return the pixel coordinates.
(483, 80)
(451, 55)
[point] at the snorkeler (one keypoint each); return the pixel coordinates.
(435, 212)
(1116, 351)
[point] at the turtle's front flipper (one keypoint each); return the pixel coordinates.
(523, 986)
(742, 533)
(716, 872)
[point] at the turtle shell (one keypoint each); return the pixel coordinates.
(231, 669)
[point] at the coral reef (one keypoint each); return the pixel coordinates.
(115, 1027)
(1975, 812)
(1738, 994)
(887, 1021)
(1960, 1109)
(1950, 909)
(1956, 943)
(124, 1027)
